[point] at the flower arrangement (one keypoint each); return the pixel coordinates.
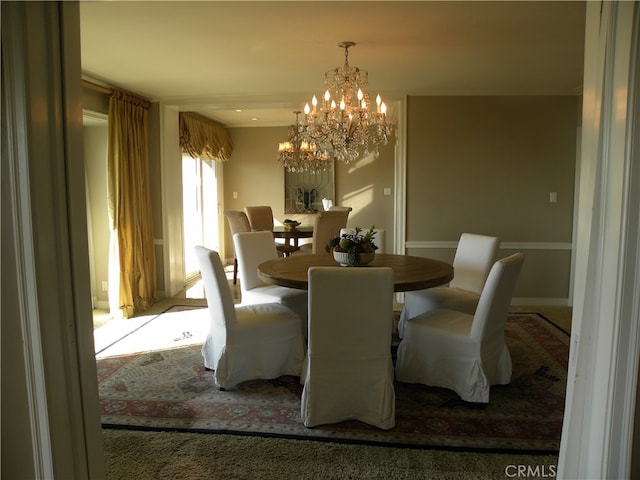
(355, 248)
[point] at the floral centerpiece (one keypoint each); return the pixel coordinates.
(353, 249)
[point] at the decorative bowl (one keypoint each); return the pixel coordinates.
(346, 259)
(291, 225)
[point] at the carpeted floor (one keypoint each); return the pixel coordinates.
(169, 389)
(150, 455)
(143, 455)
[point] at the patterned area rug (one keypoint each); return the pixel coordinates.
(170, 390)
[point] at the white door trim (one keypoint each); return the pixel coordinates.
(603, 365)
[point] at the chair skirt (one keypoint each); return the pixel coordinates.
(451, 358)
(266, 342)
(334, 392)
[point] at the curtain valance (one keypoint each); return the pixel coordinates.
(201, 138)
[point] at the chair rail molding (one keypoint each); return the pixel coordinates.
(503, 245)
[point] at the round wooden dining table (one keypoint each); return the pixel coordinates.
(280, 231)
(409, 272)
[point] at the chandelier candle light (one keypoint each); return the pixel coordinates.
(343, 128)
(344, 124)
(300, 155)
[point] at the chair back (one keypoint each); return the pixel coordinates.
(253, 248)
(350, 311)
(217, 291)
(348, 371)
(238, 221)
(327, 225)
(335, 208)
(378, 239)
(260, 217)
(493, 306)
(474, 258)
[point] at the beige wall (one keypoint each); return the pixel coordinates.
(95, 159)
(361, 186)
(487, 165)
(474, 164)
(255, 174)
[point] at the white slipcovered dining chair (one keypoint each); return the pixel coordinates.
(474, 257)
(348, 370)
(252, 249)
(246, 342)
(378, 239)
(326, 226)
(463, 352)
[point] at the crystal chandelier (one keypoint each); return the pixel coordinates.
(345, 125)
(299, 154)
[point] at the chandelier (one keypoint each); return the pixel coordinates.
(299, 154)
(346, 124)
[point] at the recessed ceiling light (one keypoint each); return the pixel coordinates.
(254, 118)
(238, 110)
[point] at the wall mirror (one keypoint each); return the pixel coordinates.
(304, 192)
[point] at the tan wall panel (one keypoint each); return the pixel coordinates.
(487, 165)
(361, 185)
(253, 172)
(95, 158)
(544, 274)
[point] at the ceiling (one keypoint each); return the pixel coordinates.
(267, 58)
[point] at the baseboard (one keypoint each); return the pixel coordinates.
(101, 304)
(516, 301)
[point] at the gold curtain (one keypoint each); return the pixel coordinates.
(201, 138)
(130, 201)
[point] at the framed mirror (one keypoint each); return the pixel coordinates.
(304, 192)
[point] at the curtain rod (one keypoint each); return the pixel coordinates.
(96, 87)
(114, 92)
